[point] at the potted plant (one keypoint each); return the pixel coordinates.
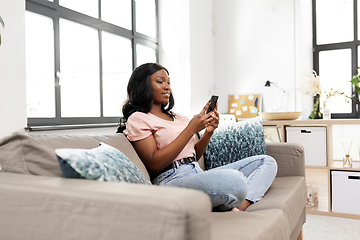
(355, 80)
(3, 24)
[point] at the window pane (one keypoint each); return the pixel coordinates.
(334, 21)
(146, 17)
(40, 73)
(335, 72)
(79, 65)
(88, 7)
(145, 54)
(117, 12)
(117, 68)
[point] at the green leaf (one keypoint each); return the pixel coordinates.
(0, 39)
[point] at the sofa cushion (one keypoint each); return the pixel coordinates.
(260, 225)
(287, 194)
(103, 163)
(232, 142)
(35, 153)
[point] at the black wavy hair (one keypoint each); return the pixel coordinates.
(140, 94)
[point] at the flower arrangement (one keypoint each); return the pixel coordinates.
(355, 80)
(331, 93)
(311, 85)
(335, 92)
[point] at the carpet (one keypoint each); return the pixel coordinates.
(330, 228)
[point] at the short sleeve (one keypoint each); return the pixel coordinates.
(137, 128)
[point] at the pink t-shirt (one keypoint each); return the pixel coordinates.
(141, 125)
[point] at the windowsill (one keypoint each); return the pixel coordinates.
(69, 127)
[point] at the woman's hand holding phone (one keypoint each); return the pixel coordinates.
(214, 120)
(210, 121)
(212, 109)
(208, 117)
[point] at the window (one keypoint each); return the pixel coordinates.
(80, 55)
(144, 54)
(117, 66)
(40, 77)
(336, 50)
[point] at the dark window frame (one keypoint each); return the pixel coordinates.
(352, 45)
(55, 11)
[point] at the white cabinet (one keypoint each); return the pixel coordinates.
(313, 140)
(345, 192)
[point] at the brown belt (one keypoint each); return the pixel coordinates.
(178, 163)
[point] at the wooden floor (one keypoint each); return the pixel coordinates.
(300, 236)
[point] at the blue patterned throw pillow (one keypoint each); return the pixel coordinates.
(103, 163)
(232, 142)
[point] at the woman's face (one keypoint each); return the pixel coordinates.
(160, 83)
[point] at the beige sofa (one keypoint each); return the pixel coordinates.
(36, 202)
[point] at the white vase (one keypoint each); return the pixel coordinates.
(307, 104)
(326, 112)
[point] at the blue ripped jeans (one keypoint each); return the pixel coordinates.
(228, 186)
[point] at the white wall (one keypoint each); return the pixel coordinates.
(254, 42)
(187, 51)
(234, 46)
(201, 54)
(303, 52)
(12, 68)
(175, 50)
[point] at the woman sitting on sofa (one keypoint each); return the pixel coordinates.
(165, 142)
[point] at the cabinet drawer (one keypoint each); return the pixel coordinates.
(345, 192)
(313, 140)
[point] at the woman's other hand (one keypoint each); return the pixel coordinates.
(203, 120)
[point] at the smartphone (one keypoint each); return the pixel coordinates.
(212, 105)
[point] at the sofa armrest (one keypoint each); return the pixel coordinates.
(41, 207)
(289, 157)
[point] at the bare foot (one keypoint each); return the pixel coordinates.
(244, 205)
(235, 209)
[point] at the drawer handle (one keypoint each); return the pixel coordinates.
(354, 177)
(305, 131)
